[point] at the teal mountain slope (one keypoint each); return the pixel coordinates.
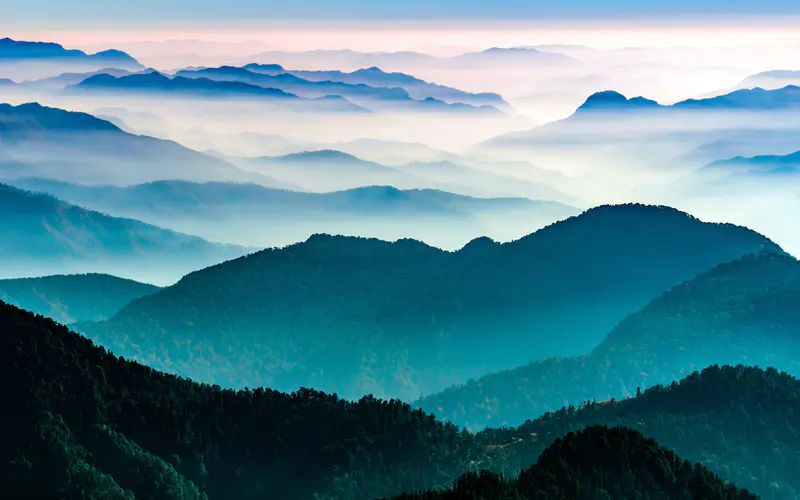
(740, 312)
(70, 298)
(358, 316)
(40, 235)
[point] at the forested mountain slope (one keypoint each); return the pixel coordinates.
(87, 423)
(356, 316)
(747, 311)
(598, 463)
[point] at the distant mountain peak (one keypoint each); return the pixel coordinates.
(322, 154)
(15, 49)
(611, 100)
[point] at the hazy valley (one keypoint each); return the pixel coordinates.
(344, 263)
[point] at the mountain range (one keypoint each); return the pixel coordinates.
(252, 215)
(155, 84)
(404, 319)
(89, 422)
(39, 141)
(739, 312)
(42, 235)
(377, 98)
(375, 77)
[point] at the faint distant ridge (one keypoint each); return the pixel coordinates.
(516, 53)
(759, 165)
(21, 50)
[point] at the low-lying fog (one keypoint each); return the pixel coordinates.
(678, 159)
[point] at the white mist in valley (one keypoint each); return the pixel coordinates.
(438, 164)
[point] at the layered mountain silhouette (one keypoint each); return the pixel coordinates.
(156, 84)
(739, 312)
(71, 298)
(597, 463)
(88, 422)
(249, 214)
(296, 85)
(376, 77)
(39, 141)
(17, 51)
(40, 234)
(356, 315)
(378, 98)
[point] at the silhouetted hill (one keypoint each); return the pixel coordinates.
(375, 77)
(737, 421)
(13, 50)
(159, 85)
(71, 298)
(594, 464)
(740, 312)
(40, 234)
(38, 141)
(355, 316)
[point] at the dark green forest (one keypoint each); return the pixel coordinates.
(71, 298)
(740, 312)
(740, 422)
(597, 463)
(88, 424)
(357, 316)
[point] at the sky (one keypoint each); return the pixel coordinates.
(51, 10)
